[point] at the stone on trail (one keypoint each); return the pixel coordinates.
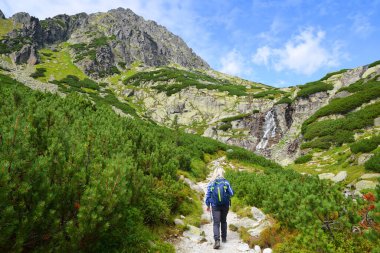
(257, 249)
(340, 176)
(267, 250)
(257, 214)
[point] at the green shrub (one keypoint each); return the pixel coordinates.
(244, 155)
(300, 203)
(327, 76)
(366, 145)
(303, 159)
(344, 105)
(284, 100)
(342, 130)
(320, 143)
(183, 79)
(312, 88)
(237, 117)
(373, 163)
(40, 72)
(75, 82)
(225, 126)
(361, 85)
(374, 64)
(266, 93)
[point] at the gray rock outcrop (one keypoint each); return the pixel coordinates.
(2, 16)
(27, 54)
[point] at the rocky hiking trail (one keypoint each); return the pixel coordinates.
(201, 239)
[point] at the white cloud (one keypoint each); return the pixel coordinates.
(233, 63)
(303, 54)
(362, 26)
(262, 55)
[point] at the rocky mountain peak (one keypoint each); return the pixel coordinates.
(21, 17)
(100, 41)
(2, 16)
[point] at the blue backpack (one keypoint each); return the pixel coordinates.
(219, 193)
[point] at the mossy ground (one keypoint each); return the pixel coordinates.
(7, 25)
(58, 64)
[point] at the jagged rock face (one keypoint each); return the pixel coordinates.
(27, 54)
(60, 28)
(22, 18)
(134, 39)
(2, 16)
(103, 62)
(130, 38)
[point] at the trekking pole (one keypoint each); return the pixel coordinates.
(211, 215)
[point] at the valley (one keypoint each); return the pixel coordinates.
(104, 115)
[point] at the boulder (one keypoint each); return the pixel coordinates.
(193, 233)
(257, 214)
(370, 175)
(21, 17)
(179, 222)
(340, 176)
(365, 184)
(267, 250)
(377, 121)
(326, 176)
(257, 249)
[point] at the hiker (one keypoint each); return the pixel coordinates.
(218, 195)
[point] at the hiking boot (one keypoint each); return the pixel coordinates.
(224, 240)
(217, 244)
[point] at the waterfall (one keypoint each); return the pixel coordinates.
(269, 130)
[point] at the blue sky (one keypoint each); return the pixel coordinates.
(279, 43)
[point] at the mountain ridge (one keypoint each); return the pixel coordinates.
(113, 38)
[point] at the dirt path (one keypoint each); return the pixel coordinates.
(201, 239)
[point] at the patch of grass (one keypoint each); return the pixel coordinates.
(58, 65)
(6, 26)
(312, 88)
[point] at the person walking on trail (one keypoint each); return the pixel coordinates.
(218, 196)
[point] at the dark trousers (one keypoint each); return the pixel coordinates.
(219, 214)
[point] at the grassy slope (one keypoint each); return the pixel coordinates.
(6, 26)
(58, 64)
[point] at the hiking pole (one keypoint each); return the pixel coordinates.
(211, 215)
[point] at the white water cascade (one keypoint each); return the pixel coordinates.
(269, 130)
